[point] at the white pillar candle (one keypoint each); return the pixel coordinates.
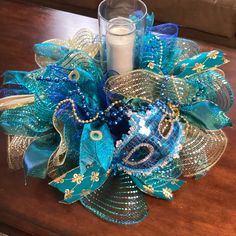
(120, 40)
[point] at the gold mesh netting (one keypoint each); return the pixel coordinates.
(17, 145)
(201, 150)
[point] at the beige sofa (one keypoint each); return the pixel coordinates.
(209, 20)
(212, 20)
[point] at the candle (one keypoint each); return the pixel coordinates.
(120, 42)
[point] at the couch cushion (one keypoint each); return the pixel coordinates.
(212, 16)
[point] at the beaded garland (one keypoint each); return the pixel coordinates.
(104, 138)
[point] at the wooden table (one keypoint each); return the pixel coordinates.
(204, 207)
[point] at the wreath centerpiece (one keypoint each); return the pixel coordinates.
(106, 138)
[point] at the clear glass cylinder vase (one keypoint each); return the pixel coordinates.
(121, 30)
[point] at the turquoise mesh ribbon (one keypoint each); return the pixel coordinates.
(118, 201)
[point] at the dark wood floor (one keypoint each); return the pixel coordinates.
(69, 6)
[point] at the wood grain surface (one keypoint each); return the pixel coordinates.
(204, 207)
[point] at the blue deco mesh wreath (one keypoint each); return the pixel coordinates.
(104, 138)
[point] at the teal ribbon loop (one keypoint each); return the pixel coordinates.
(205, 115)
(14, 77)
(199, 64)
(157, 186)
(96, 145)
(37, 155)
(50, 50)
(75, 185)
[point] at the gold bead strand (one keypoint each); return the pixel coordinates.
(71, 101)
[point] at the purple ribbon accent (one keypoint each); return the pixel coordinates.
(168, 30)
(5, 92)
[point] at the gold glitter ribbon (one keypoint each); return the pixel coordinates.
(201, 151)
(141, 84)
(84, 40)
(15, 101)
(146, 85)
(58, 157)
